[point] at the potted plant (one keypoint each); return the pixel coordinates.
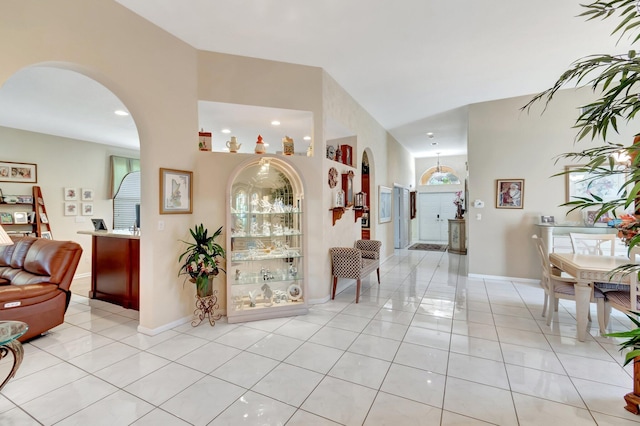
(632, 341)
(201, 259)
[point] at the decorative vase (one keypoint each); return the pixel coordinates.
(204, 140)
(260, 148)
(204, 286)
(460, 212)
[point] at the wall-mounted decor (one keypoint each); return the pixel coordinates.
(71, 194)
(71, 208)
(333, 177)
(509, 193)
(18, 172)
(412, 205)
(176, 191)
(582, 183)
(87, 209)
(384, 204)
(86, 194)
(347, 187)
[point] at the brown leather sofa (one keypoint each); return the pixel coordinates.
(35, 276)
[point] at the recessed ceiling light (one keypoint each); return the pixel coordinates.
(430, 135)
(121, 112)
(434, 143)
(275, 123)
(307, 138)
(226, 131)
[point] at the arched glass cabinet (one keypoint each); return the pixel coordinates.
(265, 259)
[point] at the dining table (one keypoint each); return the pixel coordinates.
(589, 269)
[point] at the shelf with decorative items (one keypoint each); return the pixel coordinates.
(25, 214)
(266, 269)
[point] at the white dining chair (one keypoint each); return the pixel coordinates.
(558, 287)
(596, 244)
(627, 299)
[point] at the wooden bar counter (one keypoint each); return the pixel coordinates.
(115, 267)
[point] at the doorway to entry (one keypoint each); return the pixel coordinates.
(434, 211)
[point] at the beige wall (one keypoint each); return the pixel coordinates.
(160, 79)
(58, 168)
(506, 143)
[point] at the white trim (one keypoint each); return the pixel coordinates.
(83, 275)
(501, 278)
(169, 326)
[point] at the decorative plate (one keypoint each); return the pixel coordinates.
(295, 292)
(333, 177)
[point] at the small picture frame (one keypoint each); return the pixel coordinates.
(25, 199)
(294, 292)
(176, 191)
(547, 220)
(99, 225)
(46, 235)
(86, 194)
(6, 218)
(71, 194)
(87, 209)
(509, 193)
(43, 218)
(20, 218)
(71, 209)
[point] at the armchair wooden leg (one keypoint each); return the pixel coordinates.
(378, 271)
(358, 291)
(335, 284)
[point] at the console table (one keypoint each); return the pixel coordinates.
(9, 333)
(550, 232)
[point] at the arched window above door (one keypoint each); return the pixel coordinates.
(444, 176)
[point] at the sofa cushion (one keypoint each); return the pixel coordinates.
(5, 254)
(15, 293)
(50, 259)
(20, 250)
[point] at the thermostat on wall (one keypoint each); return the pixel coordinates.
(478, 204)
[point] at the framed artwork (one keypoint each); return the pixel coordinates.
(46, 235)
(25, 199)
(71, 194)
(384, 204)
(71, 208)
(87, 209)
(18, 172)
(43, 217)
(509, 193)
(20, 217)
(86, 194)
(176, 191)
(583, 184)
(6, 218)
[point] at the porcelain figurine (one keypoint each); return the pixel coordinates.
(233, 144)
(260, 148)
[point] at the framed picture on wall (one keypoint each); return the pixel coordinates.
(87, 209)
(176, 191)
(580, 182)
(18, 172)
(86, 194)
(384, 204)
(71, 194)
(509, 193)
(71, 209)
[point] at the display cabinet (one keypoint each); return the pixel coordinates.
(266, 245)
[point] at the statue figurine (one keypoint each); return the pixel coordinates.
(252, 298)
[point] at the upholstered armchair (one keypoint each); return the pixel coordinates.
(355, 263)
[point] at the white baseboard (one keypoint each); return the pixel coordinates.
(501, 278)
(169, 326)
(83, 275)
(319, 301)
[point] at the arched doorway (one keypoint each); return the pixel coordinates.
(69, 125)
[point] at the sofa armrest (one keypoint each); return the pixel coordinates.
(366, 254)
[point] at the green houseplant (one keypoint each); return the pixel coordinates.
(201, 259)
(616, 81)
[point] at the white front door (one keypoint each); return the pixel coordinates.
(434, 211)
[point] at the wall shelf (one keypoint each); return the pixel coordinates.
(337, 214)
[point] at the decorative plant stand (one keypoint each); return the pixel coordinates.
(205, 308)
(633, 398)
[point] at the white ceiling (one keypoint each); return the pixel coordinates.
(414, 65)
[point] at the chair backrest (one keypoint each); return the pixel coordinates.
(541, 249)
(634, 292)
(598, 244)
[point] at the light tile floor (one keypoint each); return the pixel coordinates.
(428, 346)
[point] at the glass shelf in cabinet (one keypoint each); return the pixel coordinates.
(245, 256)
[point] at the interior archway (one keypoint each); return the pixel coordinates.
(56, 116)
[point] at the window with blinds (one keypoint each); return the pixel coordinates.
(125, 201)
